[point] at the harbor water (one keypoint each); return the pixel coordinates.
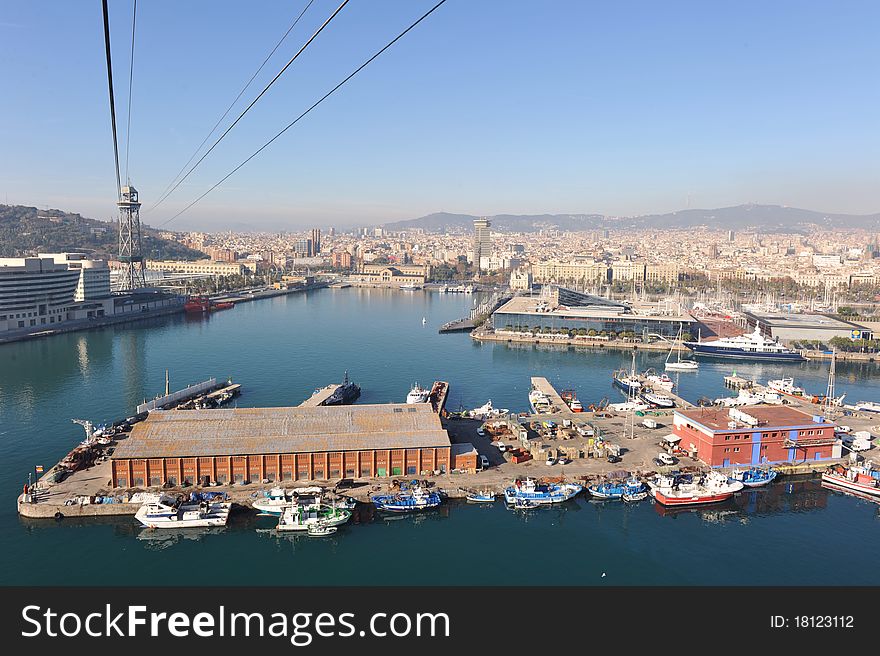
(282, 349)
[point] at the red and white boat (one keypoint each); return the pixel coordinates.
(857, 478)
(708, 488)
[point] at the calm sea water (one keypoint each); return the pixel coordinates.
(282, 349)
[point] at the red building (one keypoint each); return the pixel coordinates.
(756, 435)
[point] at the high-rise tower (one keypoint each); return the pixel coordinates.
(130, 254)
(316, 241)
(482, 240)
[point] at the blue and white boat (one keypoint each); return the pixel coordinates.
(617, 489)
(411, 498)
(540, 493)
(477, 496)
(627, 382)
(753, 346)
(754, 476)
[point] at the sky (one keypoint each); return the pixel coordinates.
(487, 107)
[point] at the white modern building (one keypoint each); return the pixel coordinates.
(52, 288)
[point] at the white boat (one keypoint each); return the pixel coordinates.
(867, 406)
(626, 406)
(661, 381)
(274, 501)
(301, 517)
(678, 364)
(676, 490)
(744, 398)
(659, 400)
(863, 479)
(786, 386)
(486, 411)
(417, 394)
(539, 402)
(410, 287)
(424, 320)
(163, 515)
(320, 530)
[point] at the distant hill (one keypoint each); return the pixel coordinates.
(762, 217)
(28, 231)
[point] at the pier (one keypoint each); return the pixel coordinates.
(320, 396)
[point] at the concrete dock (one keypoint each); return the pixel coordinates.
(320, 396)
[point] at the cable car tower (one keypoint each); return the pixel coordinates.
(130, 254)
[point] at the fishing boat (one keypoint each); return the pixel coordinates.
(197, 304)
(617, 489)
(320, 530)
(754, 476)
(300, 517)
(863, 479)
(540, 493)
(656, 399)
(787, 386)
(571, 400)
(672, 490)
(626, 381)
(477, 496)
(164, 515)
(661, 381)
(678, 364)
(539, 402)
(753, 346)
(274, 501)
(413, 497)
(417, 394)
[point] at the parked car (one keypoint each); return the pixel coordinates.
(481, 431)
(665, 459)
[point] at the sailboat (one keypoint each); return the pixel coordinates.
(678, 364)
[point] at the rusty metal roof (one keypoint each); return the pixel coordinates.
(252, 431)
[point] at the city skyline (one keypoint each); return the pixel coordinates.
(620, 111)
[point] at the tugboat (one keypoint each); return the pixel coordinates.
(540, 493)
(197, 304)
(412, 497)
(754, 476)
(675, 490)
(864, 479)
(345, 394)
(617, 490)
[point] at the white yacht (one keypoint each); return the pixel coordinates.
(168, 513)
(753, 346)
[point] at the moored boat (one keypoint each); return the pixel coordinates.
(617, 489)
(787, 386)
(173, 514)
(626, 381)
(754, 476)
(300, 517)
(659, 381)
(863, 479)
(674, 490)
(753, 346)
(539, 402)
(634, 497)
(478, 496)
(656, 399)
(540, 493)
(417, 394)
(320, 530)
(412, 497)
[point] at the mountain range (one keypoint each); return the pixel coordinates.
(764, 218)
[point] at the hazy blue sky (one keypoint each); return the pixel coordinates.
(488, 107)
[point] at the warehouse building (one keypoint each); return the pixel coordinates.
(199, 447)
(757, 435)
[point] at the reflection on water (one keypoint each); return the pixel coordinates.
(163, 538)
